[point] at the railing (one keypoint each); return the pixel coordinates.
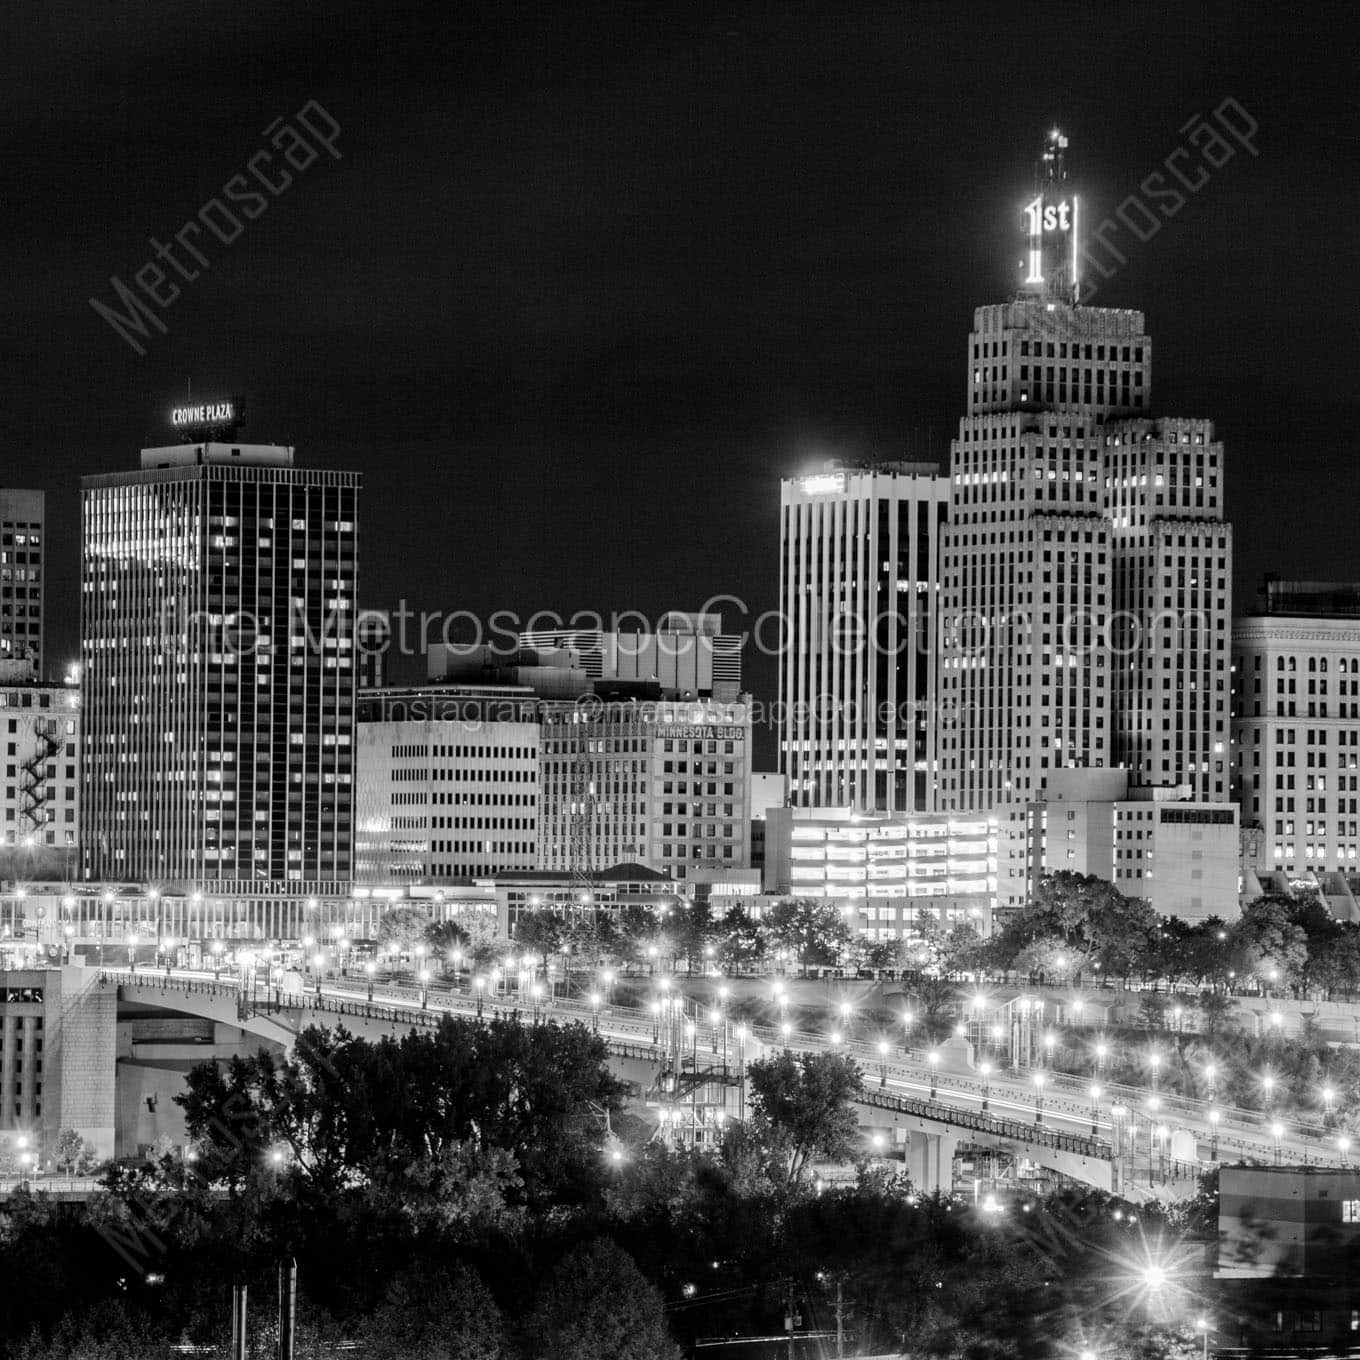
(982, 1123)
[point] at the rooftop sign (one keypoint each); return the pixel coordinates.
(204, 415)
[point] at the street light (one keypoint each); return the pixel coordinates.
(933, 1058)
(1095, 1111)
(1268, 1086)
(1155, 1062)
(1039, 1097)
(1277, 1133)
(318, 962)
(168, 953)
(1214, 1118)
(424, 977)
(479, 986)
(217, 947)
(368, 969)
(595, 1011)
(986, 1070)
(1328, 1095)
(1202, 1327)
(132, 943)
(882, 1062)
(1344, 1144)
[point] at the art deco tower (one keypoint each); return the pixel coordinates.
(1087, 567)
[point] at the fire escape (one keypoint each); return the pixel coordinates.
(34, 788)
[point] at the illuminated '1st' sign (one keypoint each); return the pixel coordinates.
(1042, 217)
(1045, 220)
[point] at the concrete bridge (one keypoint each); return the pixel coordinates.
(922, 1114)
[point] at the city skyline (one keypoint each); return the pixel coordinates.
(789, 295)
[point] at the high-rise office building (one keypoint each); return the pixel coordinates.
(1296, 729)
(22, 536)
(218, 673)
(859, 595)
(1087, 566)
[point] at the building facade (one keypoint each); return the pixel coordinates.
(57, 1029)
(660, 783)
(41, 789)
(1087, 568)
(218, 677)
(889, 871)
(446, 786)
(1177, 852)
(22, 545)
(859, 595)
(1296, 729)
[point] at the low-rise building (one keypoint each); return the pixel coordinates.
(1178, 853)
(889, 870)
(608, 890)
(57, 1028)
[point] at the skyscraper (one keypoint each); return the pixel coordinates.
(21, 577)
(218, 671)
(1087, 566)
(859, 590)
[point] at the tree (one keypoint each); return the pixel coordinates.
(443, 937)
(403, 928)
(542, 931)
(813, 930)
(73, 1153)
(963, 949)
(1337, 968)
(1267, 939)
(932, 997)
(803, 1107)
(741, 941)
(1091, 917)
(434, 1314)
(348, 1111)
(1215, 1009)
(597, 1305)
(695, 931)
(639, 929)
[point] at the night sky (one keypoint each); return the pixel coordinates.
(587, 281)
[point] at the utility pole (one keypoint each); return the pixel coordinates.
(788, 1316)
(287, 1307)
(840, 1318)
(238, 1322)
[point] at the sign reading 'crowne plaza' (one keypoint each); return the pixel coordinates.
(205, 413)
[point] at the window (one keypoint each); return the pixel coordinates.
(1350, 1210)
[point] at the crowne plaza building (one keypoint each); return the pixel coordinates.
(218, 674)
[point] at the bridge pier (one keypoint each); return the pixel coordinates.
(930, 1161)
